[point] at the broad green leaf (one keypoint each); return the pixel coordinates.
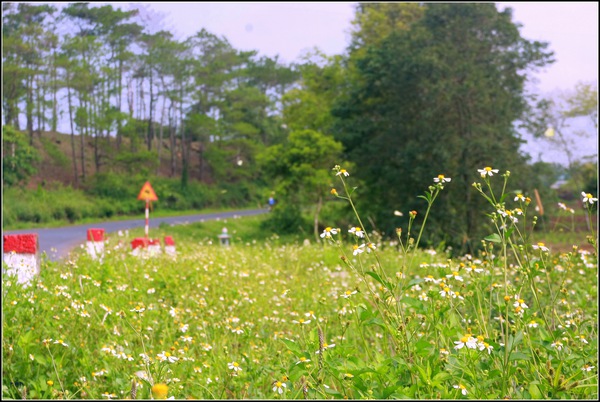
(518, 356)
(494, 238)
(535, 392)
(292, 346)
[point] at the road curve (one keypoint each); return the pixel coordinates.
(58, 242)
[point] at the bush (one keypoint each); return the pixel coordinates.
(285, 219)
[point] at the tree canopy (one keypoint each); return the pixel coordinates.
(439, 97)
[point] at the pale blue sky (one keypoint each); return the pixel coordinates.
(288, 29)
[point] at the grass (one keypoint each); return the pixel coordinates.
(280, 318)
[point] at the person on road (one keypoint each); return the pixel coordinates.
(272, 202)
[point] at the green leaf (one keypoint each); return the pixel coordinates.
(441, 377)
(333, 392)
(518, 356)
(292, 346)
(494, 238)
(389, 391)
(514, 341)
(378, 278)
(413, 282)
(509, 232)
(535, 392)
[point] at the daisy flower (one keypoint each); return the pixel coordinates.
(462, 388)
(441, 179)
(356, 249)
(357, 231)
(235, 366)
(328, 231)
(587, 367)
(520, 302)
(166, 356)
(348, 293)
(342, 172)
(540, 246)
(455, 275)
(469, 341)
(279, 387)
(588, 198)
(301, 321)
(487, 171)
(520, 197)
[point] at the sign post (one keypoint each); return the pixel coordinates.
(147, 194)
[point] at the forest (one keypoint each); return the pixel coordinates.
(423, 89)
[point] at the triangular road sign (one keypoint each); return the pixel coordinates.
(147, 193)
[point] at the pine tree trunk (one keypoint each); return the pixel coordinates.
(73, 157)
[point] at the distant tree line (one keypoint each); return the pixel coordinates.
(423, 89)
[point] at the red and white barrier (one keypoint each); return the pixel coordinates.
(154, 246)
(170, 245)
(21, 255)
(95, 243)
(142, 246)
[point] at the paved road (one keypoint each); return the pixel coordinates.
(58, 242)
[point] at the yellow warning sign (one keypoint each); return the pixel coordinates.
(147, 193)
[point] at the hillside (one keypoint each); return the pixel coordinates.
(56, 163)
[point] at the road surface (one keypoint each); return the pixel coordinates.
(58, 242)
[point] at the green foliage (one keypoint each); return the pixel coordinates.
(135, 131)
(584, 177)
(298, 171)
(308, 107)
(285, 219)
(300, 167)
(374, 22)
(55, 153)
(43, 206)
(18, 157)
(438, 98)
(139, 162)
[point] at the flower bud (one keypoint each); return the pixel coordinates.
(159, 391)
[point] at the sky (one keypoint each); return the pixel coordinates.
(289, 29)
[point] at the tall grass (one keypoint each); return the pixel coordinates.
(353, 317)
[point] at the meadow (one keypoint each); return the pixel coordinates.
(355, 316)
